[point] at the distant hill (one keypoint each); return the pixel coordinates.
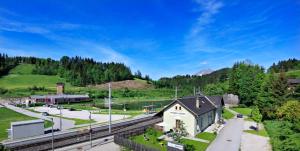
(204, 72)
(130, 84)
(285, 65)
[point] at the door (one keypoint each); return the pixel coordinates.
(177, 124)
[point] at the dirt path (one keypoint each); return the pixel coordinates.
(251, 142)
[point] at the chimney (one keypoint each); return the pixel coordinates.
(60, 88)
(197, 101)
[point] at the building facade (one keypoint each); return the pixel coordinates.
(196, 112)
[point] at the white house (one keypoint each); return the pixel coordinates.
(196, 112)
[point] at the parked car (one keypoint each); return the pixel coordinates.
(45, 114)
(239, 115)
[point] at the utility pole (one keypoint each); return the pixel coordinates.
(60, 118)
(109, 107)
(176, 93)
(90, 117)
(52, 142)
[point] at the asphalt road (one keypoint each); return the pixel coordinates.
(230, 136)
(66, 124)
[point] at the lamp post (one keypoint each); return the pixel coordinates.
(60, 118)
(109, 107)
(91, 128)
(52, 142)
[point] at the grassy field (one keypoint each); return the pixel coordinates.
(244, 111)
(261, 132)
(7, 116)
(226, 114)
(293, 74)
(22, 77)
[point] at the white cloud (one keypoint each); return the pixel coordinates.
(203, 62)
(208, 9)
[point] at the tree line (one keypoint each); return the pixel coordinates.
(76, 70)
(190, 82)
(285, 65)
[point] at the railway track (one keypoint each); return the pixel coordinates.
(62, 139)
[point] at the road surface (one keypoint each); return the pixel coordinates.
(66, 124)
(229, 137)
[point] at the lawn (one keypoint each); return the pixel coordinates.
(261, 132)
(7, 116)
(152, 134)
(77, 121)
(199, 146)
(244, 111)
(207, 136)
(227, 114)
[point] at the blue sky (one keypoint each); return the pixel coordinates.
(158, 37)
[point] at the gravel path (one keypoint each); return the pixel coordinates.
(252, 142)
(80, 114)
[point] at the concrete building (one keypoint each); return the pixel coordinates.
(25, 129)
(196, 112)
(59, 97)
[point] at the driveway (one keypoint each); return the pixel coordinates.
(66, 124)
(229, 137)
(254, 142)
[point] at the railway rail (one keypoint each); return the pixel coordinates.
(62, 139)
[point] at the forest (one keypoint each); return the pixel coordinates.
(78, 71)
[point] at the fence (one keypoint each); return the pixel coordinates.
(122, 139)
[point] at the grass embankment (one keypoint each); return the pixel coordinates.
(227, 114)
(207, 136)
(245, 111)
(260, 132)
(79, 121)
(7, 116)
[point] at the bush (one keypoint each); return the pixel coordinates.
(189, 147)
(283, 135)
(3, 91)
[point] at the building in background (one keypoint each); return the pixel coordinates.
(59, 97)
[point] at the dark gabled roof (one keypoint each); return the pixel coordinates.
(190, 103)
(217, 100)
(206, 104)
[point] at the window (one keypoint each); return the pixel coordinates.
(179, 107)
(175, 107)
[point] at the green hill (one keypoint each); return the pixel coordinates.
(22, 77)
(293, 74)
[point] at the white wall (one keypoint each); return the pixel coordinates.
(171, 114)
(27, 130)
